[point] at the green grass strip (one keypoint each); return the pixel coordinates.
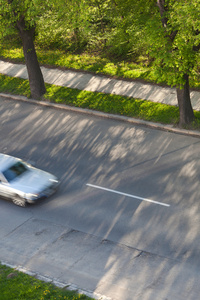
(20, 286)
(115, 104)
(14, 85)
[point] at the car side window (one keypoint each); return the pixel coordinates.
(2, 179)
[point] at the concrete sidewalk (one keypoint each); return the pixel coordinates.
(103, 84)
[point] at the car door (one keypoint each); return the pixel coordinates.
(5, 190)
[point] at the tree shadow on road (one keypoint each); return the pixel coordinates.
(128, 249)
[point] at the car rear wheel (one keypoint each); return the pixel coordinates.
(17, 200)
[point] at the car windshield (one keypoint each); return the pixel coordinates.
(14, 171)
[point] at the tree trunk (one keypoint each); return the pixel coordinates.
(184, 103)
(35, 76)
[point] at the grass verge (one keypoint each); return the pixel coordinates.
(20, 286)
(115, 104)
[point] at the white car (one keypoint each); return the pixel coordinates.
(22, 183)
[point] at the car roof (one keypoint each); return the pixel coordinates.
(6, 161)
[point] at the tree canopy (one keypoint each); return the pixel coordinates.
(174, 43)
(168, 31)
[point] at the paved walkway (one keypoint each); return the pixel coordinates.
(97, 83)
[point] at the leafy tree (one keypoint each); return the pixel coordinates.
(174, 35)
(65, 26)
(111, 27)
(100, 22)
(130, 17)
(23, 16)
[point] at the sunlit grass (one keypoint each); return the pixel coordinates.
(20, 286)
(114, 104)
(14, 85)
(15, 54)
(86, 62)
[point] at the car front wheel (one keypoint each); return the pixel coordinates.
(17, 200)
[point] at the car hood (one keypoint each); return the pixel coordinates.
(33, 181)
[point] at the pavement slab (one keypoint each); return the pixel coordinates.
(64, 256)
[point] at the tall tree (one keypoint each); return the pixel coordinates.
(174, 33)
(23, 16)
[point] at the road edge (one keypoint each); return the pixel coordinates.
(55, 282)
(130, 120)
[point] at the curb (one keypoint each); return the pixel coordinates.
(57, 283)
(158, 126)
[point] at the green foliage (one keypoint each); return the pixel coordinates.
(13, 11)
(118, 33)
(114, 28)
(64, 27)
(121, 30)
(173, 46)
(127, 37)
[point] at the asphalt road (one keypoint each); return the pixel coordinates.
(125, 221)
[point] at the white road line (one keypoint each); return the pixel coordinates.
(127, 195)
